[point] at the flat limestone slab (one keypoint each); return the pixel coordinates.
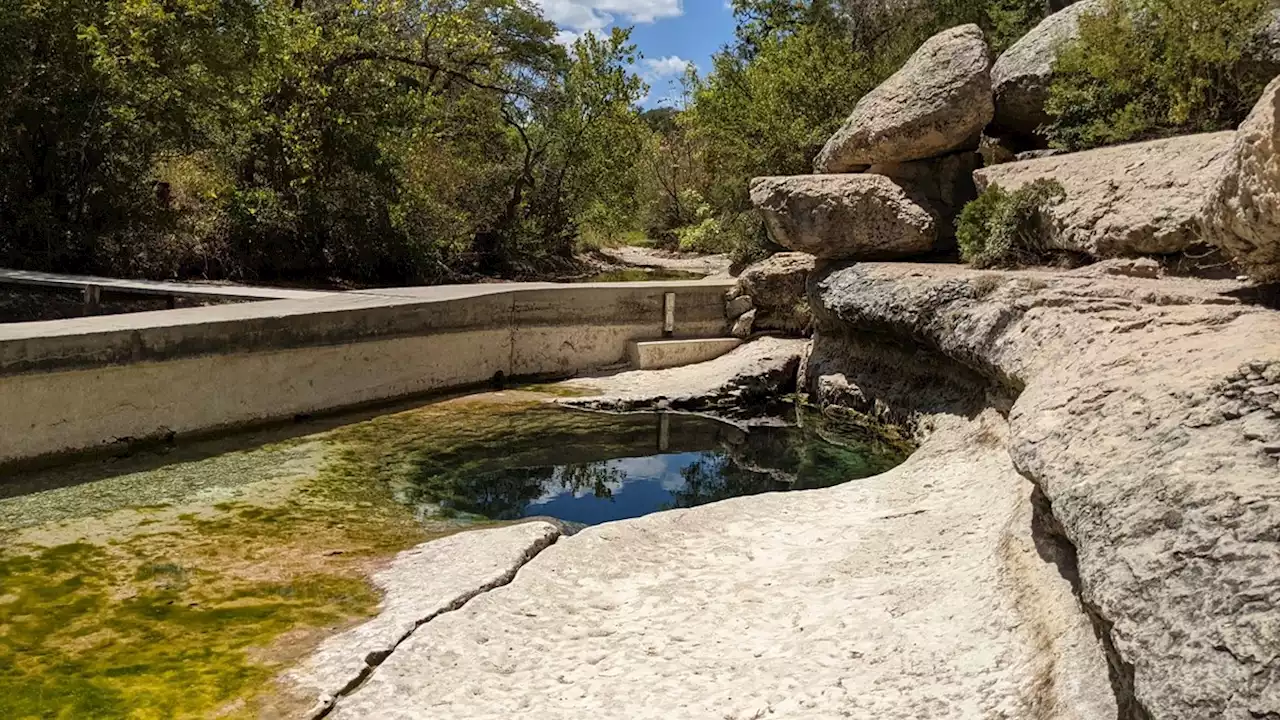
(420, 583)
(659, 354)
(765, 365)
(917, 593)
(1125, 200)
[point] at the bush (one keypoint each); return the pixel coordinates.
(1005, 229)
(1152, 68)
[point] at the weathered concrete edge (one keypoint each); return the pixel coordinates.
(343, 319)
(103, 384)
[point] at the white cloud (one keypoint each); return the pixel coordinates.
(670, 66)
(580, 15)
(567, 37)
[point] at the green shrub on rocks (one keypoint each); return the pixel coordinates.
(1143, 69)
(1004, 229)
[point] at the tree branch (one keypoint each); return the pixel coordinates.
(372, 56)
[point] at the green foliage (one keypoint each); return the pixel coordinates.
(1152, 68)
(1003, 229)
(775, 96)
(370, 141)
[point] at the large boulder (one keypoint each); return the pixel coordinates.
(936, 104)
(943, 184)
(1242, 214)
(1144, 198)
(776, 287)
(1147, 414)
(844, 217)
(1021, 75)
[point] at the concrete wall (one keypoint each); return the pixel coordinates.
(88, 383)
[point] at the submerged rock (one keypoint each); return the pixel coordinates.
(1243, 210)
(844, 217)
(1147, 413)
(1125, 200)
(936, 104)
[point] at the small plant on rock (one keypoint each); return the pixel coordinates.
(1006, 229)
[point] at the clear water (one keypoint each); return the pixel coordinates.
(613, 467)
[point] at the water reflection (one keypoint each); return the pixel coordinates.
(610, 467)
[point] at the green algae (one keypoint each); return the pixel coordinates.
(230, 567)
(177, 646)
(182, 589)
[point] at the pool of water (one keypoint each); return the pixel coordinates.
(639, 274)
(185, 583)
(596, 468)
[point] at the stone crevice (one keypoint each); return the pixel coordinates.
(374, 659)
(1055, 547)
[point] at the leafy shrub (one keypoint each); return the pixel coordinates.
(739, 235)
(1003, 229)
(1152, 68)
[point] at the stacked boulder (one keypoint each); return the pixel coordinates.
(770, 296)
(1241, 214)
(891, 181)
(1022, 74)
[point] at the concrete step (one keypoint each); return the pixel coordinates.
(658, 354)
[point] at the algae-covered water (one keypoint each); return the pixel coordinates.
(182, 584)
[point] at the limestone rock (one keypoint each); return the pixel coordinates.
(1021, 75)
(1144, 198)
(943, 184)
(1143, 410)
(420, 583)
(1143, 267)
(777, 288)
(751, 374)
(744, 325)
(1243, 210)
(920, 588)
(936, 104)
(844, 217)
(837, 390)
(996, 149)
(738, 306)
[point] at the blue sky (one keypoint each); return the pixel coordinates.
(670, 33)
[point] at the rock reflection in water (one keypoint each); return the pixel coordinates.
(611, 467)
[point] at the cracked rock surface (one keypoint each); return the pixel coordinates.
(920, 592)
(420, 584)
(1148, 413)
